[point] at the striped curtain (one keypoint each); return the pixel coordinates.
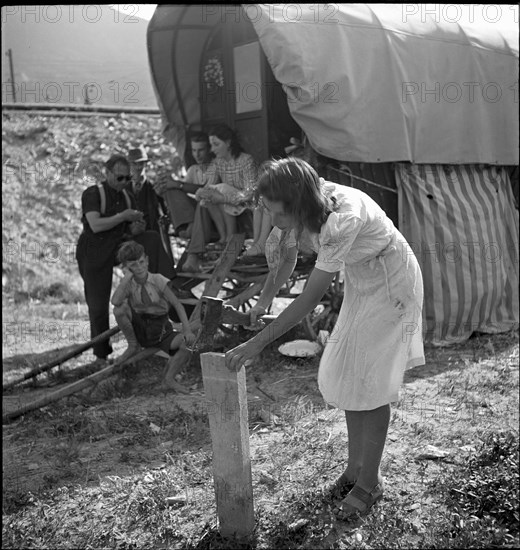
(462, 224)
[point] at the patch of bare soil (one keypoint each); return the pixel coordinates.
(127, 428)
(124, 423)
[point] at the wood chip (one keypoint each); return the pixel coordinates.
(431, 452)
(177, 500)
(297, 524)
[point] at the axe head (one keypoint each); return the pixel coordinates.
(210, 318)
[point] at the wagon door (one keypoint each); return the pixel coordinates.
(238, 88)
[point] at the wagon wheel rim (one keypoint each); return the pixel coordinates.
(311, 322)
(327, 318)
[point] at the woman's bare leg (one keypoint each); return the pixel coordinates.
(355, 446)
(375, 429)
(367, 438)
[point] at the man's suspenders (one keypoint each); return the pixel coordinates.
(103, 198)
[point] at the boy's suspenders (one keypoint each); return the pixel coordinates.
(103, 198)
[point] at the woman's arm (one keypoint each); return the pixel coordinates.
(316, 287)
(248, 180)
(250, 174)
(189, 184)
(273, 285)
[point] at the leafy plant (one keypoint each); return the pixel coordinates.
(484, 494)
(491, 482)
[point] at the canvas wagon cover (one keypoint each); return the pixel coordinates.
(390, 82)
(366, 82)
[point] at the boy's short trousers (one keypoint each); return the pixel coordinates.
(153, 331)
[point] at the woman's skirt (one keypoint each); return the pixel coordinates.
(378, 334)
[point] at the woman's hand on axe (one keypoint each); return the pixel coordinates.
(255, 323)
(243, 355)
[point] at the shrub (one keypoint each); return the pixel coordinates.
(485, 494)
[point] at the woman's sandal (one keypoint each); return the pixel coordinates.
(340, 487)
(357, 502)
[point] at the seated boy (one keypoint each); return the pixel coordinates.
(141, 305)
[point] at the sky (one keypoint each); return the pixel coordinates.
(144, 11)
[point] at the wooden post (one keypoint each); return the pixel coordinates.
(226, 400)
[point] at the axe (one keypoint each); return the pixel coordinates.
(213, 313)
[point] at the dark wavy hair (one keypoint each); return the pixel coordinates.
(130, 251)
(295, 184)
(225, 133)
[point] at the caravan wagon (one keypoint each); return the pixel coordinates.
(417, 108)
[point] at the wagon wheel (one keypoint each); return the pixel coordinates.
(236, 294)
(325, 314)
(243, 284)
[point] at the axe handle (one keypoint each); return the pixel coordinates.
(233, 317)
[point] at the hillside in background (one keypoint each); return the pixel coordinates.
(47, 163)
(61, 52)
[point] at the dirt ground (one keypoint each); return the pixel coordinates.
(121, 409)
(127, 422)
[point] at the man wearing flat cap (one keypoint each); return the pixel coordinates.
(146, 198)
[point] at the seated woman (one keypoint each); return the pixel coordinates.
(229, 189)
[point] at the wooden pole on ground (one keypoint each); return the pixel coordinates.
(226, 399)
(78, 350)
(75, 387)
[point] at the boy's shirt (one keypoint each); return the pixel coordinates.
(155, 285)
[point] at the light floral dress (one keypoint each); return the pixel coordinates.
(378, 334)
